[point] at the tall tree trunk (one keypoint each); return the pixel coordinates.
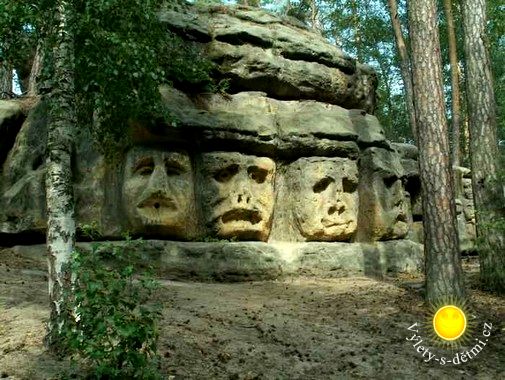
(59, 187)
(444, 276)
(358, 41)
(314, 11)
(404, 65)
(35, 72)
(5, 81)
(489, 197)
(456, 92)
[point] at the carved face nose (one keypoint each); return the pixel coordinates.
(158, 179)
(338, 208)
(243, 199)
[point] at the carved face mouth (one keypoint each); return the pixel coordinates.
(335, 223)
(402, 217)
(251, 216)
(157, 202)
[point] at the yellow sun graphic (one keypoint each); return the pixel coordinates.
(449, 322)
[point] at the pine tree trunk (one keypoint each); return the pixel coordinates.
(489, 197)
(444, 276)
(456, 93)
(59, 187)
(404, 64)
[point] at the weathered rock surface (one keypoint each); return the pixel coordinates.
(258, 51)
(247, 261)
(257, 123)
(11, 118)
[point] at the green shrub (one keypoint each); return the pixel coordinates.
(113, 327)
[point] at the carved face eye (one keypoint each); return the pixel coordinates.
(173, 168)
(144, 167)
(224, 175)
(389, 182)
(257, 174)
(348, 185)
(322, 184)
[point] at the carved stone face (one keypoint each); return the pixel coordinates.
(326, 204)
(384, 204)
(393, 206)
(158, 194)
(238, 194)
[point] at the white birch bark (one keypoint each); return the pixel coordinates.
(59, 187)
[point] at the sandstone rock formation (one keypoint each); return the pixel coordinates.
(291, 162)
(257, 51)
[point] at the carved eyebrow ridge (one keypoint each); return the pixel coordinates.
(176, 164)
(143, 161)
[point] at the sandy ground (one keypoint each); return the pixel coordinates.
(297, 328)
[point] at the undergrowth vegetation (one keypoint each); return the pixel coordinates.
(112, 329)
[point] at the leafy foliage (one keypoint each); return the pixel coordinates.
(122, 54)
(141, 55)
(113, 326)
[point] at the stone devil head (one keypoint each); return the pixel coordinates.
(325, 198)
(158, 192)
(238, 194)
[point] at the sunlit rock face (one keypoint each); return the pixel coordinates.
(158, 192)
(237, 195)
(384, 204)
(326, 198)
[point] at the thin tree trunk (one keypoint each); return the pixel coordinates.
(59, 189)
(488, 194)
(35, 72)
(358, 42)
(456, 92)
(444, 276)
(5, 82)
(404, 65)
(314, 16)
(385, 76)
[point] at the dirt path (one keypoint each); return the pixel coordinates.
(297, 328)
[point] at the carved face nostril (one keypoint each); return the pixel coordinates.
(332, 210)
(239, 198)
(156, 205)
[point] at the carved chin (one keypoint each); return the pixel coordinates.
(332, 231)
(400, 229)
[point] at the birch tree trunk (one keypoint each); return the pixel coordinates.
(59, 187)
(444, 276)
(456, 92)
(488, 192)
(404, 64)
